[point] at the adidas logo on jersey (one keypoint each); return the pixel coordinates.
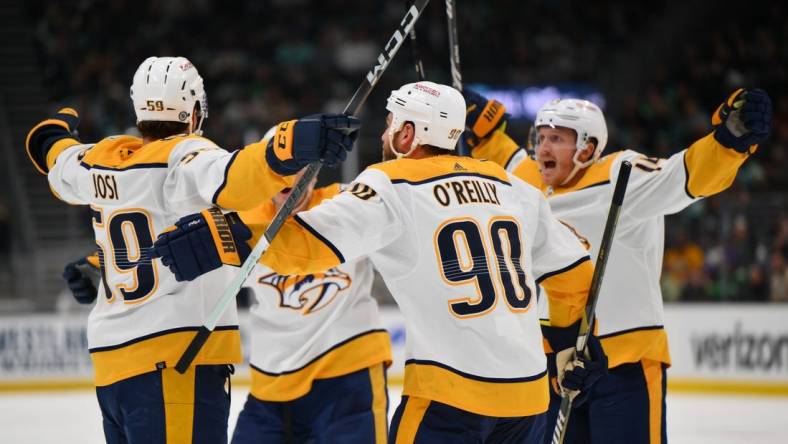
(458, 167)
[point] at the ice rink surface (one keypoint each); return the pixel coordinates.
(73, 417)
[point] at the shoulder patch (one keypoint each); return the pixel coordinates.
(362, 191)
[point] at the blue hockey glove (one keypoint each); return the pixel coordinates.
(579, 376)
(482, 117)
(743, 120)
(203, 242)
(82, 277)
(323, 137)
(45, 134)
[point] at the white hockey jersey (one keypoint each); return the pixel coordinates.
(630, 312)
(314, 326)
(143, 318)
(461, 244)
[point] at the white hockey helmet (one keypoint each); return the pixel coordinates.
(166, 89)
(582, 116)
(437, 112)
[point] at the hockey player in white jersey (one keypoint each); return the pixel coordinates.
(136, 188)
(461, 244)
(628, 405)
(318, 352)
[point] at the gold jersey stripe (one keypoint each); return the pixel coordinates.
(502, 399)
(359, 353)
(420, 170)
(110, 366)
(636, 345)
(711, 167)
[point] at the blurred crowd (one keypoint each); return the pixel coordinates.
(268, 61)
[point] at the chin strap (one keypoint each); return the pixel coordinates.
(580, 165)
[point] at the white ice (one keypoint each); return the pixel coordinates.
(73, 417)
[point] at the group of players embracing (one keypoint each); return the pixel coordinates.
(488, 258)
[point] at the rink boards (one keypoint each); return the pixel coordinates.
(741, 348)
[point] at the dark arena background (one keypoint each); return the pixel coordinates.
(657, 69)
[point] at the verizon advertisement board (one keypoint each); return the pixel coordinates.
(708, 342)
(742, 342)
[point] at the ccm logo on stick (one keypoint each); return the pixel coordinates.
(391, 47)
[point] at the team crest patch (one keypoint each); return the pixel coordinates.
(309, 293)
(363, 192)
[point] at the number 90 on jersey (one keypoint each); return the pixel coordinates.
(488, 259)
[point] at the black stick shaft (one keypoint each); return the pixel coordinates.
(454, 61)
(415, 54)
(358, 99)
(193, 349)
(565, 409)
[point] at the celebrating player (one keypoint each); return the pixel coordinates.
(628, 405)
(461, 244)
(136, 188)
(318, 352)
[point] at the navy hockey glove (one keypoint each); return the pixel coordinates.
(323, 137)
(559, 339)
(743, 120)
(203, 242)
(579, 376)
(482, 117)
(82, 277)
(43, 136)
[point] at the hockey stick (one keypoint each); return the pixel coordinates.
(593, 294)
(454, 60)
(415, 55)
(358, 99)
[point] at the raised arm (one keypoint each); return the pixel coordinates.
(201, 174)
(55, 150)
(709, 166)
(354, 223)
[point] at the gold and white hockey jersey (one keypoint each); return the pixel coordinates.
(314, 326)
(630, 313)
(461, 245)
(143, 319)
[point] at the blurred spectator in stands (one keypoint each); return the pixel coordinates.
(778, 277)
(682, 261)
(5, 234)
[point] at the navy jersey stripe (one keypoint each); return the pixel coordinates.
(475, 377)
(631, 330)
(130, 167)
(508, 161)
(333, 347)
(446, 176)
(158, 333)
(224, 181)
(604, 182)
(565, 269)
(320, 237)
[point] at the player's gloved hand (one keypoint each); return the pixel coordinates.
(743, 120)
(45, 134)
(82, 277)
(578, 374)
(203, 242)
(318, 137)
(482, 117)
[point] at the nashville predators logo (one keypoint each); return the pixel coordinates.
(309, 293)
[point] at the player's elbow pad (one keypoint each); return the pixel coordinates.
(44, 136)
